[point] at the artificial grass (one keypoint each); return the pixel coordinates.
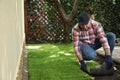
(54, 62)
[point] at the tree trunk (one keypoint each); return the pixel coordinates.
(67, 18)
(67, 30)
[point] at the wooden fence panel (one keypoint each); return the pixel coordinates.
(40, 28)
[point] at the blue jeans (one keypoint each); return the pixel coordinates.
(88, 50)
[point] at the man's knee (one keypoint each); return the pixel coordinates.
(91, 56)
(111, 35)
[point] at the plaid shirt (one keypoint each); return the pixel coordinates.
(95, 30)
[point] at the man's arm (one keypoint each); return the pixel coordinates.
(107, 51)
(77, 42)
(103, 40)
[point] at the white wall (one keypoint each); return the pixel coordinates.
(11, 37)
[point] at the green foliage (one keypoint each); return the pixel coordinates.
(106, 12)
(54, 62)
(32, 6)
(50, 11)
(118, 30)
(67, 4)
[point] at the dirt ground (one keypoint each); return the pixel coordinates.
(23, 69)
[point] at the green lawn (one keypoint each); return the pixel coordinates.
(54, 62)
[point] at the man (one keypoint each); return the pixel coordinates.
(88, 36)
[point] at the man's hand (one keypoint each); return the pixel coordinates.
(83, 66)
(109, 62)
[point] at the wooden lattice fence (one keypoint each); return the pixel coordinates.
(40, 28)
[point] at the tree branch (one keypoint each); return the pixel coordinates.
(66, 17)
(61, 9)
(74, 9)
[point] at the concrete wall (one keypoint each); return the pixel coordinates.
(11, 37)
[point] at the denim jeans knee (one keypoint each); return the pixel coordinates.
(87, 52)
(111, 37)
